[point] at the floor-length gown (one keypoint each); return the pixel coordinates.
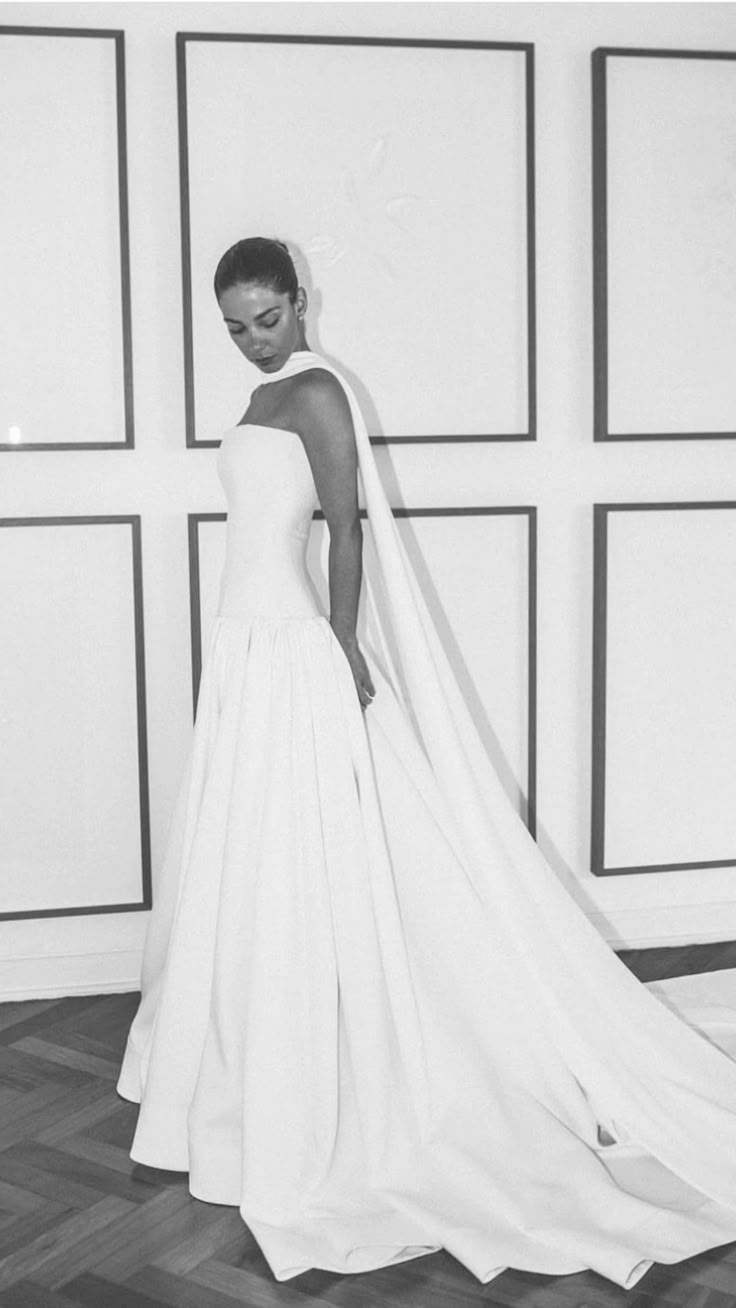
(372, 1018)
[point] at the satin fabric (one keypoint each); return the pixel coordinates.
(451, 1045)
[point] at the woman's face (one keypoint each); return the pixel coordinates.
(264, 324)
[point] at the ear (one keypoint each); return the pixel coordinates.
(300, 304)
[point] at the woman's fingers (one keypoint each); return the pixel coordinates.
(366, 692)
(362, 677)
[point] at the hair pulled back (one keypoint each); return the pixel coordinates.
(261, 260)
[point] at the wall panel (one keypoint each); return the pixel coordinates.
(401, 175)
(74, 798)
(664, 125)
(65, 332)
(664, 709)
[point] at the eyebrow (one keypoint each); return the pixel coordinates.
(258, 315)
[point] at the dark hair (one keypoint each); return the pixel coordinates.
(261, 260)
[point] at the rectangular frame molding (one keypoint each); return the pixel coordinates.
(598, 717)
(118, 37)
(133, 521)
(601, 388)
(183, 38)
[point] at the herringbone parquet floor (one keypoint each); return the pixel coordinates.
(82, 1224)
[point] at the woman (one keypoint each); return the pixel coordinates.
(267, 324)
(371, 1016)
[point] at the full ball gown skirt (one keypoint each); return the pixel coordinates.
(335, 1034)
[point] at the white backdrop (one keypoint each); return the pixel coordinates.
(563, 473)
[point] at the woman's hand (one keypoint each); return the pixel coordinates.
(359, 668)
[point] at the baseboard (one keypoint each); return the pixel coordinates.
(658, 927)
(118, 972)
(62, 975)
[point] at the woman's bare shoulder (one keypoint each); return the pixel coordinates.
(319, 381)
(320, 394)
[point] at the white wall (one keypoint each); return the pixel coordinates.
(563, 474)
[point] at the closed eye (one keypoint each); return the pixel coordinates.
(238, 331)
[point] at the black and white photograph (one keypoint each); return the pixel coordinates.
(367, 699)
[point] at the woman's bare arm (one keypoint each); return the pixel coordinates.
(326, 427)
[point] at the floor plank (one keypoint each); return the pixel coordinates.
(84, 1226)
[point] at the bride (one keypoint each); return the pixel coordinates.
(371, 1016)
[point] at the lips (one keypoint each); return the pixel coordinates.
(260, 362)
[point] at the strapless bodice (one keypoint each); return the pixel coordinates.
(271, 497)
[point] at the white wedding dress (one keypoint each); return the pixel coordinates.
(372, 1018)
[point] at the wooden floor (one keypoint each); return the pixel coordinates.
(82, 1224)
